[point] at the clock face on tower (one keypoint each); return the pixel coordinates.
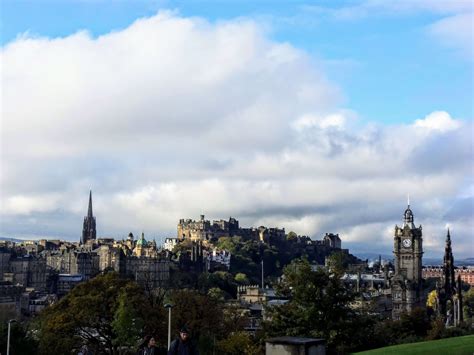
(406, 243)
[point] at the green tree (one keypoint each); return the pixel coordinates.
(468, 306)
(91, 314)
(241, 278)
(337, 263)
(318, 306)
(127, 323)
(202, 314)
(216, 293)
(238, 343)
(291, 236)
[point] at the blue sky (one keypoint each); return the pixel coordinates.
(317, 117)
(389, 67)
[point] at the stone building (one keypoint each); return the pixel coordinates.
(111, 258)
(148, 272)
(466, 273)
(332, 240)
(204, 230)
(407, 282)
(30, 271)
(170, 243)
(73, 261)
(145, 248)
(5, 256)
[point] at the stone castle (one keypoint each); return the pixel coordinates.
(204, 230)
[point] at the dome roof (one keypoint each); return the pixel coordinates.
(142, 242)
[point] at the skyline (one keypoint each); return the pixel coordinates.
(90, 215)
(312, 118)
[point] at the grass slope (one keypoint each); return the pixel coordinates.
(450, 346)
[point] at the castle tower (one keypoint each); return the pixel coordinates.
(88, 228)
(407, 281)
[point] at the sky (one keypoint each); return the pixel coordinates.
(313, 116)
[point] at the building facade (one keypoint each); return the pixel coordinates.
(466, 273)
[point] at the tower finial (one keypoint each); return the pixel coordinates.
(408, 200)
(89, 211)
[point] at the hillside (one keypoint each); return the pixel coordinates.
(450, 346)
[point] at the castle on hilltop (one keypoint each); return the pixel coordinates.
(204, 230)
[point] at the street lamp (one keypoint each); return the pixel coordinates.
(8, 336)
(169, 306)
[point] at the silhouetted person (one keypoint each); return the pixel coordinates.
(183, 345)
(148, 347)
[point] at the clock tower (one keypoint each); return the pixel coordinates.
(407, 282)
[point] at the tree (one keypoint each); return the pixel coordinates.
(432, 300)
(468, 307)
(127, 324)
(291, 236)
(202, 314)
(21, 339)
(318, 306)
(241, 278)
(337, 263)
(238, 343)
(94, 313)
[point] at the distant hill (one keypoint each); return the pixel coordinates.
(373, 256)
(426, 261)
(16, 240)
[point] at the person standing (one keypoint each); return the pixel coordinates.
(148, 346)
(183, 345)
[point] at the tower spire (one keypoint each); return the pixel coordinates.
(88, 228)
(89, 211)
(408, 200)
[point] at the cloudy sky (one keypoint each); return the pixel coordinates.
(314, 117)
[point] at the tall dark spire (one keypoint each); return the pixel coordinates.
(88, 227)
(89, 211)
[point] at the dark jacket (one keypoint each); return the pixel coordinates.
(147, 351)
(178, 347)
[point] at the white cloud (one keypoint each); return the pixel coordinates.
(456, 32)
(337, 120)
(174, 117)
(25, 205)
(438, 121)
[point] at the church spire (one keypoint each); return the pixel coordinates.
(89, 226)
(89, 211)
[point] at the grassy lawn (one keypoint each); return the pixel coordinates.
(450, 346)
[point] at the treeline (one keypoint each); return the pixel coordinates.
(111, 315)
